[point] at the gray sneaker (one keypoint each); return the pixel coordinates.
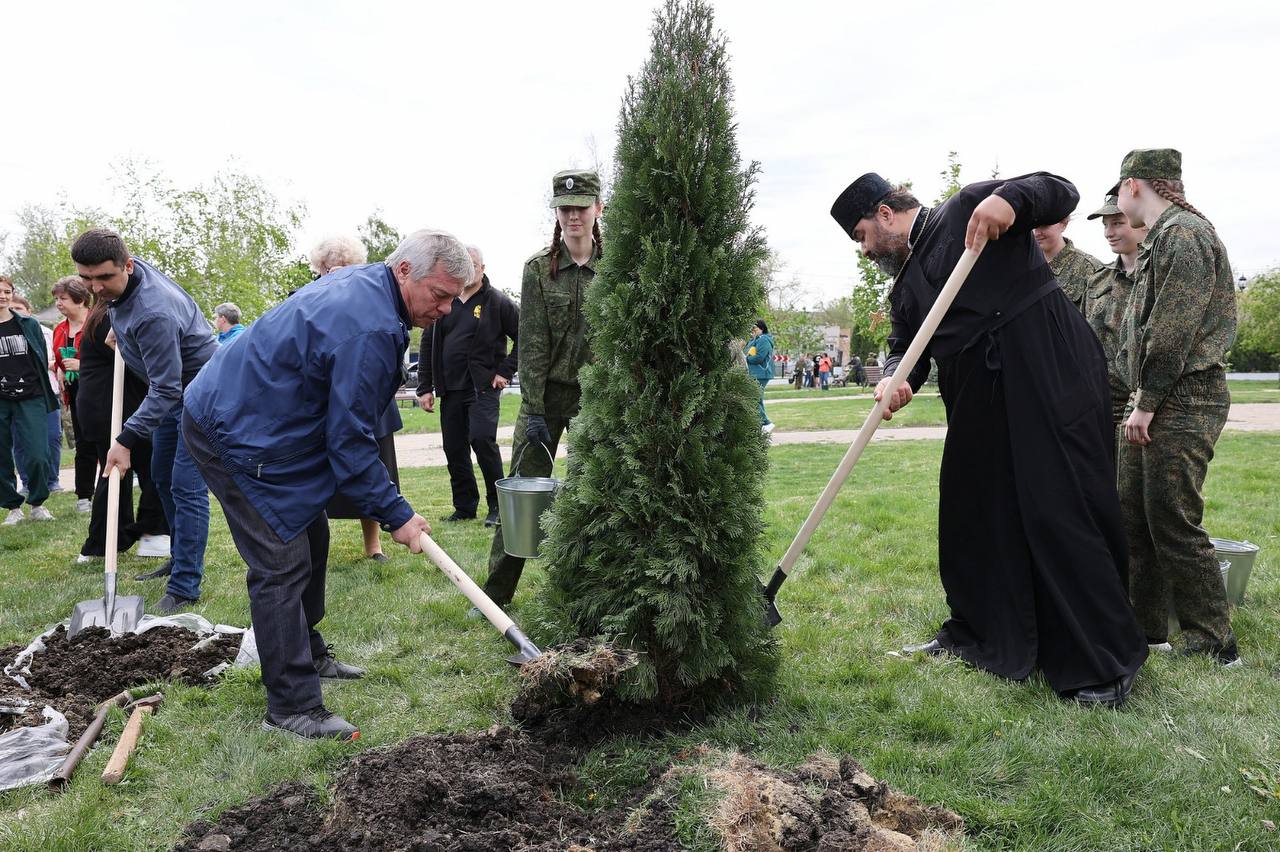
(329, 668)
(14, 517)
(313, 725)
(40, 513)
(169, 604)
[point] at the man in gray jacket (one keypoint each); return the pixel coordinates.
(164, 339)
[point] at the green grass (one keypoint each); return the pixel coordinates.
(1254, 391)
(850, 414)
(1026, 770)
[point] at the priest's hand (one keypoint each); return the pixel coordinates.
(901, 396)
(1137, 427)
(991, 218)
(427, 402)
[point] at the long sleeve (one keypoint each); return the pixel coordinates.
(158, 345)
(534, 342)
(511, 328)
(900, 336)
(1183, 285)
(1037, 199)
(364, 373)
(426, 384)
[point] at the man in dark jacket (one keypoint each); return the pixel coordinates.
(1031, 543)
(464, 362)
(165, 340)
(284, 419)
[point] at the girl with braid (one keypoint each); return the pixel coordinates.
(1179, 324)
(553, 346)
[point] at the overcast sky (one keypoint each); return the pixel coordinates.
(456, 115)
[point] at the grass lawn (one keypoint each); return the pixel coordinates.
(1254, 391)
(850, 414)
(1026, 770)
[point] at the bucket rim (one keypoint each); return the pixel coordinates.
(1226, 545)
(527, 480)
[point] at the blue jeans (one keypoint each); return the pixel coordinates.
(53, 425)
(764, 418)
(185, 499)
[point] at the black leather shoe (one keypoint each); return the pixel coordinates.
(491, 520)
(932, 648)
(329, 668)
(1106, 695)
(169, 604)
(163, 571)
(459, 516)
(313, 725)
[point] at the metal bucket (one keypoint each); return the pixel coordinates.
(1241, 555)
(521, 502)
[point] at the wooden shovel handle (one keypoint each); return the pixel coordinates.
(490, 610)
(124, 749)
(113, 484)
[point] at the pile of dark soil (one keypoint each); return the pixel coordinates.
(502, 790)
(74, 674)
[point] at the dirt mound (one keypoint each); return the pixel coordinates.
(503, 790)
(499, 790)
(74, 674)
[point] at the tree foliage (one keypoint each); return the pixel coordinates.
(379, 237)
(227, 240)
(654, 540)
(1257, 346)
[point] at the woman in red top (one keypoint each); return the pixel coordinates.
(72, 300)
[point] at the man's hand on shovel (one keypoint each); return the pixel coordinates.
(410, 535)
(991, 218)
(901, 396)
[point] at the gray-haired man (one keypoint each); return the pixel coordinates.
(226, 319)
(285, 418)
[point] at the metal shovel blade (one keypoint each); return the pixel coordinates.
(527, 651)
(119, 615)
(772, 617)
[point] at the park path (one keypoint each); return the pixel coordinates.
(423, 449)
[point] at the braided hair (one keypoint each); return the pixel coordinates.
(1171, 191)
(555, 245)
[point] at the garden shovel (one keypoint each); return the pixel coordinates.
(904, 368)
(119, 615)
(526, 651)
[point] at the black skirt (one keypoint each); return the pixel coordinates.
(341, 507)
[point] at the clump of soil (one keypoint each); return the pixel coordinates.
(502, 790)
(74, 674)
(498, 790)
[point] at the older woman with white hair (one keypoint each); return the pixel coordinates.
(332, 253)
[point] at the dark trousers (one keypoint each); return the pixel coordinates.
(1171, 560)
(149, 519)
(24, 425)
(186, 505)
(86, 455)
(469, 421)
(526, 460)
(286, 586)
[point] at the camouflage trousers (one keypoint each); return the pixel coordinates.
(526, 460)
(1171, 560)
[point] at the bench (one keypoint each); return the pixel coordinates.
(873, 374)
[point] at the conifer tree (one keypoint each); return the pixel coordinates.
(654, 540)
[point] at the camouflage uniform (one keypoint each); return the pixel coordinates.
(553, 348)
(1074, 269)
(1105, 302)
(1180, 323)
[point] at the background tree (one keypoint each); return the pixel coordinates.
(794, 330)
(1257, 346)
(655, 539)
(379, 237)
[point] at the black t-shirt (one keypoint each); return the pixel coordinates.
(458, 329)
(18, 376)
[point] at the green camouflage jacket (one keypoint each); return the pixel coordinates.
(553, 332)
(1105, 304)
(1182, 317)
(1074, 269)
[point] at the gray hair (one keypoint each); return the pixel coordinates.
(422, 250)
(475, 250)
(335, 252)
(229, 312)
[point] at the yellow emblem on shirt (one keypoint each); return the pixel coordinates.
(476, 312)
(751, 351)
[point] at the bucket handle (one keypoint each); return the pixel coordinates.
(515, 463)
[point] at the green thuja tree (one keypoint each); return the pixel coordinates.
(654, 542)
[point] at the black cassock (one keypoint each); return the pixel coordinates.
(1031, 546)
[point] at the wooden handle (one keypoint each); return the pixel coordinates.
(466, 585)
(931, 322)
(124, 749)
(113, 482)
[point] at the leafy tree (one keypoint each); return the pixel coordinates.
(379, 237)
(1257, 345)
(655, 538)
(43, 254)
(793, 329)
(950, 178)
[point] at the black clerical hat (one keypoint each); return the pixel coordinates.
(858, 200)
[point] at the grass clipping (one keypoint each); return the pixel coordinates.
(579, 673)
(825, 804)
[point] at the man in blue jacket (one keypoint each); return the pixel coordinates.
(285, 418)
(165, 340)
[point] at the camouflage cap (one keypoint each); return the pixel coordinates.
(1108, 208)
(1148, 164)
(575, 188)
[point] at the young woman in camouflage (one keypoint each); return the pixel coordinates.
(553, 346)
(1180, 323)
(1072, 267)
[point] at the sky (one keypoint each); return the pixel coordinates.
(456, 115)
